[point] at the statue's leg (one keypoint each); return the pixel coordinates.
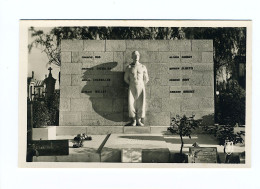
(140, 107)
(139, 122)
(133, 121)
(131, 107)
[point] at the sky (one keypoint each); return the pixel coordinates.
(37, 62)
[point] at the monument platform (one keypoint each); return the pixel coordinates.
(103, 130)
(143, 148)
(134, 148)
(127, 144)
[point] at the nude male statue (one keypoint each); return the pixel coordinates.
(136, 77)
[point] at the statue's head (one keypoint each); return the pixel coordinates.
(135, 56)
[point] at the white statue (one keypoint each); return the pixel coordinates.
(136, 77)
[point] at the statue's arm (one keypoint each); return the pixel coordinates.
(126, 76)
(146, 77)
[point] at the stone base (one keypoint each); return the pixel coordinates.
(136, 130)
(88, 153)
(70, 130)
(159, 129)
(102, 130)
(126, 148)
(159, 155)
(46, 133)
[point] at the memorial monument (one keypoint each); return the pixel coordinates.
(93, 92)
(136, 76)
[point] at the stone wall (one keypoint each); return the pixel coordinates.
(93, 92)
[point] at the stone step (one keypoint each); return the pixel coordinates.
(89, 130)
(103, 130)
(49, 133)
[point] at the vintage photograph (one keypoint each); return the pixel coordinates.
(157, 95)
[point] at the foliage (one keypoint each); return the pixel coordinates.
(231, 109)
(228, 42)
(41, 116)
(46, 113)
(225, 132)
(231, 103)
(183, 127)
(50, 42)
(47, 43)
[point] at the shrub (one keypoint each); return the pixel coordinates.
(41, 114)
(225, 132)
(183, 127)
(231, 103)
(46, 113)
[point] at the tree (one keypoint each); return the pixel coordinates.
(225, 133)
(49, 43)
(230, 112)
(183, 126)
(231, 103)
(46, 113)
(227, 42)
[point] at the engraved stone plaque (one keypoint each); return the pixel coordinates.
(132, 155)
(203, 154)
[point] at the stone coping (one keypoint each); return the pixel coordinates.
(95, 130)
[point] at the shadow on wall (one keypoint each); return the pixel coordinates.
(107, 91)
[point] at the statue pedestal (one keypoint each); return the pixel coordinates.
(136, 130)
(103, 130)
